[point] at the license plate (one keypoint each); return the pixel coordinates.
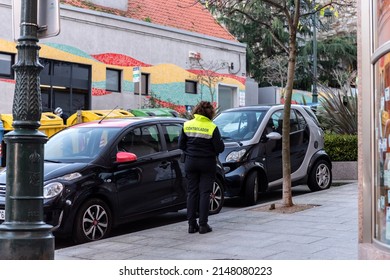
(2, 214)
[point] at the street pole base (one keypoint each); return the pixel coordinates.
(26, 245)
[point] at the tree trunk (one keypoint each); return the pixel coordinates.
(286, 160)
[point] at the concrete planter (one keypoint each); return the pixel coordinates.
(344, 170)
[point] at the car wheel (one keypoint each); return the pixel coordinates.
(93, 221)
(217, 197)
(251, 189)
(320, 177)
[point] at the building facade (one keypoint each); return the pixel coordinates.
(181, 54)
(374, 129)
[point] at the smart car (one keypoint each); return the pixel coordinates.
(252, 159)
(100, 174)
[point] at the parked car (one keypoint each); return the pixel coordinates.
(100, 174)
(253, 150)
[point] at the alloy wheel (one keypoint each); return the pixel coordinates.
(323, 175)
(216, 198)
(95, 222)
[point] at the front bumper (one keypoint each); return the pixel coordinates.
(235, 180)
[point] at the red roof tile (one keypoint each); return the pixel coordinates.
(182, 14)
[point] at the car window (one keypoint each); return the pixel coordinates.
(294, 124)
(275, 123)
(301, 120)
(103, 139)
(171, 135)
(239, 125)
(141, 141)
(78, 144)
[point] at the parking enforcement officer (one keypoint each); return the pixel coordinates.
(201, 143)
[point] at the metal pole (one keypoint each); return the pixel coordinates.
(315, 93)
(140, 92)
(24, 235)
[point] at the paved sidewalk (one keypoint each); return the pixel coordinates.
(326, 232)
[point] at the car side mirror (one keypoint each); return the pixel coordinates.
(125, 157)
(274, 136)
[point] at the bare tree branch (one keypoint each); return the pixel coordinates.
(208, 74)
(276, 70)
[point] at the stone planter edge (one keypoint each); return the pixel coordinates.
(344, 170)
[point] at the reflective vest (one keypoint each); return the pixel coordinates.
(199, 127)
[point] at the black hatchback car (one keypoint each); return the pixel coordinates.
(253, 150)
(100, 174)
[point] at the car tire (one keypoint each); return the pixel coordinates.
(93, 221)
(320, 177)
(217, 197)
(251, 188)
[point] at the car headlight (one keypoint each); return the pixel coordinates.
(71, 176)
(235, 156)
(52, 189)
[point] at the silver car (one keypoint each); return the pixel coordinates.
(252, 159)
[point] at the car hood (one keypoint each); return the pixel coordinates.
(54, 170)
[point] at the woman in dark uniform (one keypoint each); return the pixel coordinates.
(201, 143)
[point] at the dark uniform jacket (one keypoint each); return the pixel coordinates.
(200, 137)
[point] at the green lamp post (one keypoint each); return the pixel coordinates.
(24, 235)
(315, 92)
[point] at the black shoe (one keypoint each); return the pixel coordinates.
(205, 229)
(193, 228)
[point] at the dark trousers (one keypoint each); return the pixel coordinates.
(200, 174)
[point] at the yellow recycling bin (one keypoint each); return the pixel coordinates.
(50, 123)
(7, 121)
(82, 116)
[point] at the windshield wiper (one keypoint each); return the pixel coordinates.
(54, 161)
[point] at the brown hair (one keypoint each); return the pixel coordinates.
(204, 108)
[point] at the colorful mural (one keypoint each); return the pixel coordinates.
(300, 97)
(167, 81)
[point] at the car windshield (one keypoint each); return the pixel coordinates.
(239, 125)
(81, 144)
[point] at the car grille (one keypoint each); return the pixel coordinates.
(2, 190)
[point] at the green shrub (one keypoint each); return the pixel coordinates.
(341, 147)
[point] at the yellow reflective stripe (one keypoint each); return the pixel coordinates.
(199, 135)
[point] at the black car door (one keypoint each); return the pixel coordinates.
(171, 133)
(144, 185)
(273, 147)
(299, 140)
